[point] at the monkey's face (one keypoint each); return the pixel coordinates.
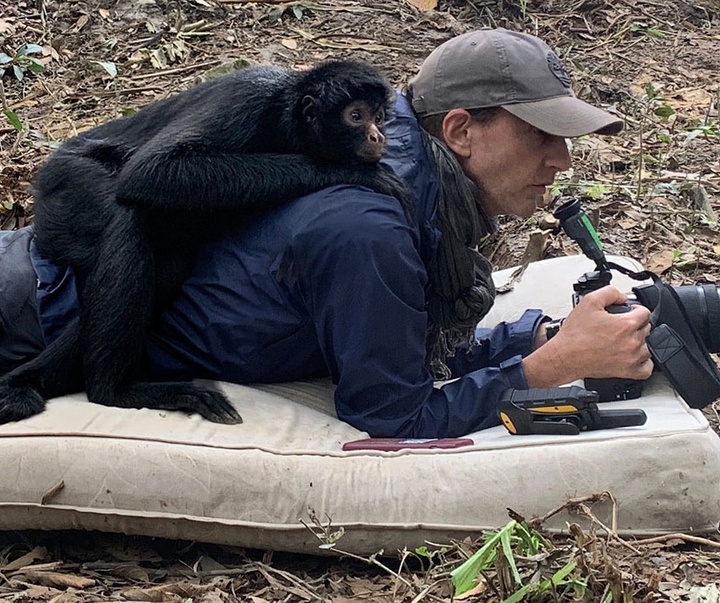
(365, 127)
(345, 134)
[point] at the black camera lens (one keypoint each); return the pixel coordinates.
(702, 305)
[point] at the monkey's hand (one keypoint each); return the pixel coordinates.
(18, 402)
(208, 403)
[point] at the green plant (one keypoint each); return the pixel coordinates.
(9, 114)
(647, 30)
(708, 129)
(13, 119)
(513, 538)
(21, 62)
(549, 575)
(658, 104)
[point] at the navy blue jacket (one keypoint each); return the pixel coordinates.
(333, 284)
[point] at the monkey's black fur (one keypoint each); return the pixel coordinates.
(130, 204)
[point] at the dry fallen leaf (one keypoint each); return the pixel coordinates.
(424, 4)
(80, 23)
(37, 554)
(6, 27)
(134, 573)
(627, 223)
(58, 580)
(659, 262)
(289, 43)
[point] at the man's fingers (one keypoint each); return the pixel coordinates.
(646, 368)
(606, 296)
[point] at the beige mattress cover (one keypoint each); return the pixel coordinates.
(172, 475)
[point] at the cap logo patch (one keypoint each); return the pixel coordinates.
(558, 69)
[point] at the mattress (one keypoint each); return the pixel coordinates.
(158, 473)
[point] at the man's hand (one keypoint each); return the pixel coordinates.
(594, 343)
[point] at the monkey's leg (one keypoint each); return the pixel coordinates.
(117, 309)
(54, 372)
(74, 203)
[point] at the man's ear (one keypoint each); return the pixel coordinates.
(456, 132)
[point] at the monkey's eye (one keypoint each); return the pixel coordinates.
(356, 116)
(380, 117)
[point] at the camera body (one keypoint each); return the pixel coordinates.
(685, 320)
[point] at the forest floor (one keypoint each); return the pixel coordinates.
(653, 190)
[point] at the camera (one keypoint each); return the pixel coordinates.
(685, 320)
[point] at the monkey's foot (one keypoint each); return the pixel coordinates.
(210, 404)
(19, 402)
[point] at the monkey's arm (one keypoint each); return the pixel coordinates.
(183, 179)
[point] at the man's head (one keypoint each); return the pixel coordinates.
(502, 102)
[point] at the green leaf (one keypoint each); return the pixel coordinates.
(563, 572)
(533, 542)
(19, 74)
(508, 552)
(422, 551)
(13, 119)
(463, 576)
(298, 11)
(36, 66)
(664, 111)
(655, 33)
(518, 595)
(596, 190)
(5, 59)
(33, 48)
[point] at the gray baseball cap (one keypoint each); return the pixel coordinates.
(515, 71)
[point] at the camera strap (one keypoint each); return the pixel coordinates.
(676, 347)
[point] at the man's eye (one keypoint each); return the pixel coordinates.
(544, 136)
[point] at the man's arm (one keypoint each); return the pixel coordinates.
(500, 343)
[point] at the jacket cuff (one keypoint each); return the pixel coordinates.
(513, 372)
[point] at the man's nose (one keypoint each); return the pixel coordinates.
(558, 156)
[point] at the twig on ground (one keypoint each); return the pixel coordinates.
(684, 537)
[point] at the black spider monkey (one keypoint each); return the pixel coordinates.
(131, 203)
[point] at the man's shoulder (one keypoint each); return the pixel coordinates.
(349, 218)
(348, 206)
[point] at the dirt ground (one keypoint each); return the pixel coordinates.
(654, 191)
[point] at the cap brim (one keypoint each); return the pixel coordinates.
(566, 116)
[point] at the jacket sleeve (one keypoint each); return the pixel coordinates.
(363, 284)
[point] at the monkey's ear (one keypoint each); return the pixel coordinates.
(309, 106)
